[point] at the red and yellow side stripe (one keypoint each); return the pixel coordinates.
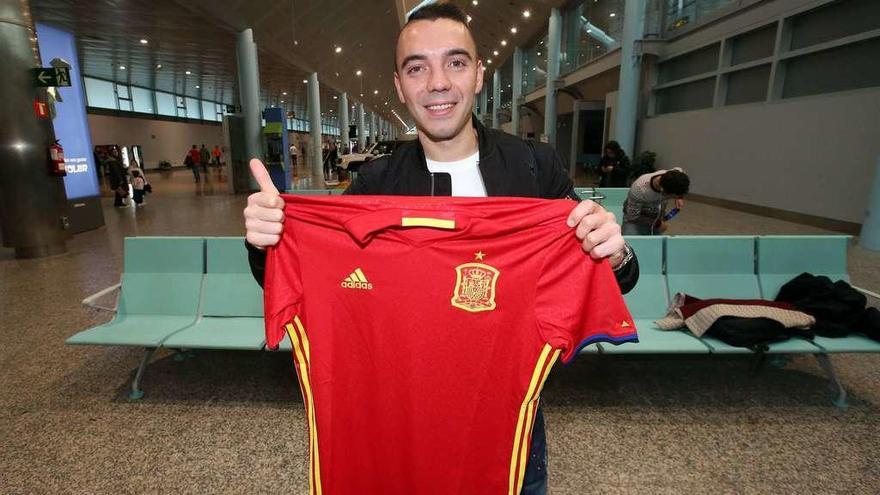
(302, 355)
(521, 443)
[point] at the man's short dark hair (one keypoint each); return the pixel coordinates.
(437, 11)
(675, 183)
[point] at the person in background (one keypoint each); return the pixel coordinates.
(614, 166)
(118, 178)
(216, 154)
(644, 211)
(205, 156)
(292, 152)
(138, 185)
(195, 159)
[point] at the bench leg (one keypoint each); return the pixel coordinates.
(839, 401)
(136, 392)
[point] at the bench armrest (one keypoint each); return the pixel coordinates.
(90, 300)
(867, 292)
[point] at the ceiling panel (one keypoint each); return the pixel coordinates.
(294, 37)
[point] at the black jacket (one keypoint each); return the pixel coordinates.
(509, 167)
(617, 176)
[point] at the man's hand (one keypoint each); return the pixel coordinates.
(264, 215)
(679, 202)
(598, 231)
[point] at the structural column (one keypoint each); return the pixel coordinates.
(516, 86)
(343, 123)
(374, 131)
(32, 202)
(316, 158)
(630, 76)
(554, 40)
(496, 98)
(249, 96)
(362, 128)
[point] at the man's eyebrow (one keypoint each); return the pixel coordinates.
(410, 58)
(449, 53)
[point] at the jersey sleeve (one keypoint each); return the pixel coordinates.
(578, 301)
(282, 288)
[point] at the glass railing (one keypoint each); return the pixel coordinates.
(681, 13)
(590, 29)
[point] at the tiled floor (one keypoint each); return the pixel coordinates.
(226, 422)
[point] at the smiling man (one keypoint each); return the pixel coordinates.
(438, 73)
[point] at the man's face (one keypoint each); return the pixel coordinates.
(437, 76)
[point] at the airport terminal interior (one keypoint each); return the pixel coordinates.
(770, 107)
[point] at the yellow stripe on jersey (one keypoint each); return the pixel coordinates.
(438, 223)
(302, 354)
(360, 275)
(526, 419)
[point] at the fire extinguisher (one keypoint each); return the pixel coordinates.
(56, 160)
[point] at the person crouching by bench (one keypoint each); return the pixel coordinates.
(644, 211)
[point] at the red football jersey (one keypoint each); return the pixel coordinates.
(423, 329)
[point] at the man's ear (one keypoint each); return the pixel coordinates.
(480, 71)
(397, 87)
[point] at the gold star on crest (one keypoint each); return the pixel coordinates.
(479, 255)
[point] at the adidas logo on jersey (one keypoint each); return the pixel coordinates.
(357, 280)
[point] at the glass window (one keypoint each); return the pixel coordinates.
(100, 94)
(192, 108)
(589, 30)
(122, 91)
(142, 100)
(165, 102)
(181, 105)
(209, 110)
(534, 66)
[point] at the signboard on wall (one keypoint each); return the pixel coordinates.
(68, 112)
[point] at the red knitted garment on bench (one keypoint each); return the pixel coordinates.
(699, 314)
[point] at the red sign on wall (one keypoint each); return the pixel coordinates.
(41, 109)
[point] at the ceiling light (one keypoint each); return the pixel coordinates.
(284, 93)
(362, 94)
(503, 42)
(527, 14)
(495, 52)
(489, 61)
(358, 72)
(539, 54)
(121, 67)
(198, 87)
(144, 41)
(475, 2)
(513, 30)
(158, 66)
(612, 14)
(187, 72)
(282, 101)
(295, 43)
(305, 81)
(375, 91)
(469, 18)
(338, 49)
(335, 97)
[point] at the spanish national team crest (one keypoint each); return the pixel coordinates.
(475, 286)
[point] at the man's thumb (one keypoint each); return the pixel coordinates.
(261, 175)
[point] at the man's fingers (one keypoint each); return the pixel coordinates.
(603, 242)
(263, 227)
(261, 175)
(583, 209)
(262, 241)
(260, 212)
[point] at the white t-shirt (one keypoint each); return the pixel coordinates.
(466, 178)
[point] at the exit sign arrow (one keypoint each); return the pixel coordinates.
(45, 77)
